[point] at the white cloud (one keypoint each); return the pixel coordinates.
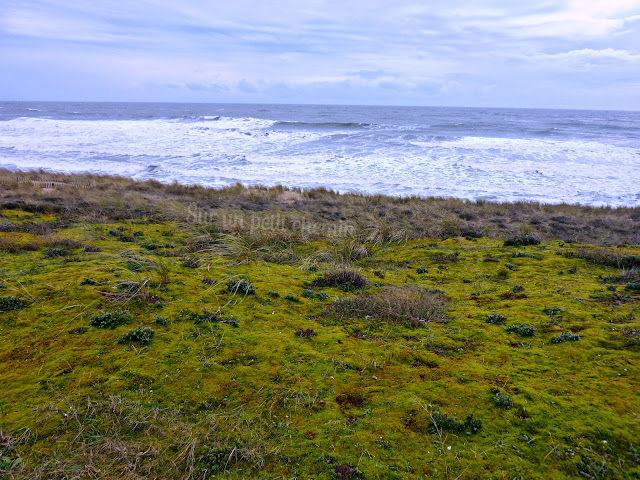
(587, 59)
(481, 47)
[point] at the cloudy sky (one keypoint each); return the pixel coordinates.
(557, 54)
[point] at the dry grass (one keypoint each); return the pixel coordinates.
(305, 215)
(409, 305)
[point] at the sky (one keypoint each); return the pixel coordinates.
(581, 54)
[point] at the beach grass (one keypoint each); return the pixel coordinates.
(169, 331)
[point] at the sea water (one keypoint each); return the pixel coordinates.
(551, 156)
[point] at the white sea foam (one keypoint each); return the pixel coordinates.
(218, 150)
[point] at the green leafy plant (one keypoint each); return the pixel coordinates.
(565, 337)
(503, 401)
(523, 330)
(12, 303)
(441, 421)
(111, 320)
(141, 335)
(496, 319)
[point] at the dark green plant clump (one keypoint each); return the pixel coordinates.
(566, 337)
(632, 286)
(273, 294)
(311, 295)
(503, 401)
(122, 237)
(521, 241)
(523, 330)
(161, 321)
(441, 422)
(496, 319)
(54, 252)
(12, 303)
(205, 317)
(88, 281)
(241, 286)
(517, 289)
(291, 298)
(111, 320)
(422, 270)
(552, 311)
(346, 280)
(141, 335)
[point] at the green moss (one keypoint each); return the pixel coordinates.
(269, 400)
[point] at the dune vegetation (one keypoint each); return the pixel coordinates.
(171, 331)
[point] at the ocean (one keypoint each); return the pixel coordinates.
(550, 156)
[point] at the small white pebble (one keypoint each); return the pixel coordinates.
(448, 448)
(604, 441)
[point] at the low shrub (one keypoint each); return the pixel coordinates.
(291, 298)
(523, 330)
(273, 294)
(111, 320)
(566, 337)
(141, 335)
(88, 281)
(551, 311)
(12, 303)
(422, 270)
(346, 280)
(517, 289)
(521, 241)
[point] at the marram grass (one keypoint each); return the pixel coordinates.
(327, 386)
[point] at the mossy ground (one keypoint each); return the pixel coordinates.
(250, 399)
